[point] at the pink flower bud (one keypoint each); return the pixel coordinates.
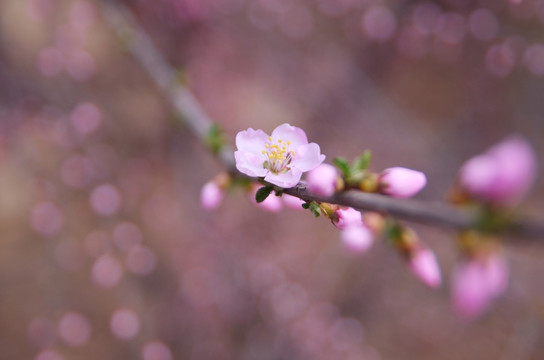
(211, 195)
(357, 238)
(322, 180)
(503, 174)
(424, 265)
(401, 182)
(476, 283)
(347, 217)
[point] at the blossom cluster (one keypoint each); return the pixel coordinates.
(493, 181)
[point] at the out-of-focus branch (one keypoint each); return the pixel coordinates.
(135, 38)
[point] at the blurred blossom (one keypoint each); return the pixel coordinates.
(69, 255)
(156, 350)
(477, 282)
(413, 43)
(40, 10)
(50, 61)
(424, 265)
(106, 271)
(82, 14)
(425, 17)
(97, 243)
(140, 260)
(126, 235)
(41, 332)
(86, 118)
(500, 60)
(451, 28)
(46, 219)
(401, 182)
(379, 23)
(272, 203)
(534, 59)
(297, 22)
(503, 174)
(483, 24)
(74, 329)
(288, 300)
(357, 238)
(124, 324)
(292, 202)
(80, 65)
(76, 171)
(105, 200)
(322, 180)
(49, 354)
(211, 195)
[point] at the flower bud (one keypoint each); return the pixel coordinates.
(401, 182)
(503, 174)
(347, 217)
(424, 265)
(477, 282)
(322, 180)
(211, 195)
(357, 238)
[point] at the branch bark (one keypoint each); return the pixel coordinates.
(142, 48)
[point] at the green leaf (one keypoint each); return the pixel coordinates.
(262, 194)
(362, 161)
(214, 139)
(315, 208)
(306, 205)
(342, 165)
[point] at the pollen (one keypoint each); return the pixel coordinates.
(279, 156)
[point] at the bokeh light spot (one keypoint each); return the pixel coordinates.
(74, 329)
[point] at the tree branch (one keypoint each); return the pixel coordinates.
(139, 44)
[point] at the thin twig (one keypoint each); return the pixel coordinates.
(183, 101)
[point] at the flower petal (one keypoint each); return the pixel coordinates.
(249, 164)
(307, 157)
(286, 132)
(251, 140)
(286, 180)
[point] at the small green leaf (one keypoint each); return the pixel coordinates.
(262, 194)
(315, 209)
(214, 139)
(362, 161)
(306, 205)
(342, 165)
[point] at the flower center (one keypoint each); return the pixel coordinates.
(279, 156)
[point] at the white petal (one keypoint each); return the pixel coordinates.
(286, 132)
(249, 163)
(287, 180)
(251, 140)
(307, 157)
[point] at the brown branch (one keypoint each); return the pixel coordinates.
(135, 38)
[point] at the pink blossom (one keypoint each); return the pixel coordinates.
(292, 202)
(424, 265)
(280, 158)
(322, 180)
(503, 174)
(357, 238)
(401, 182)
(476, 283)
(355, 235)
(211, 195)
(347, 217)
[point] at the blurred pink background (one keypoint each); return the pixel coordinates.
(105, 250)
